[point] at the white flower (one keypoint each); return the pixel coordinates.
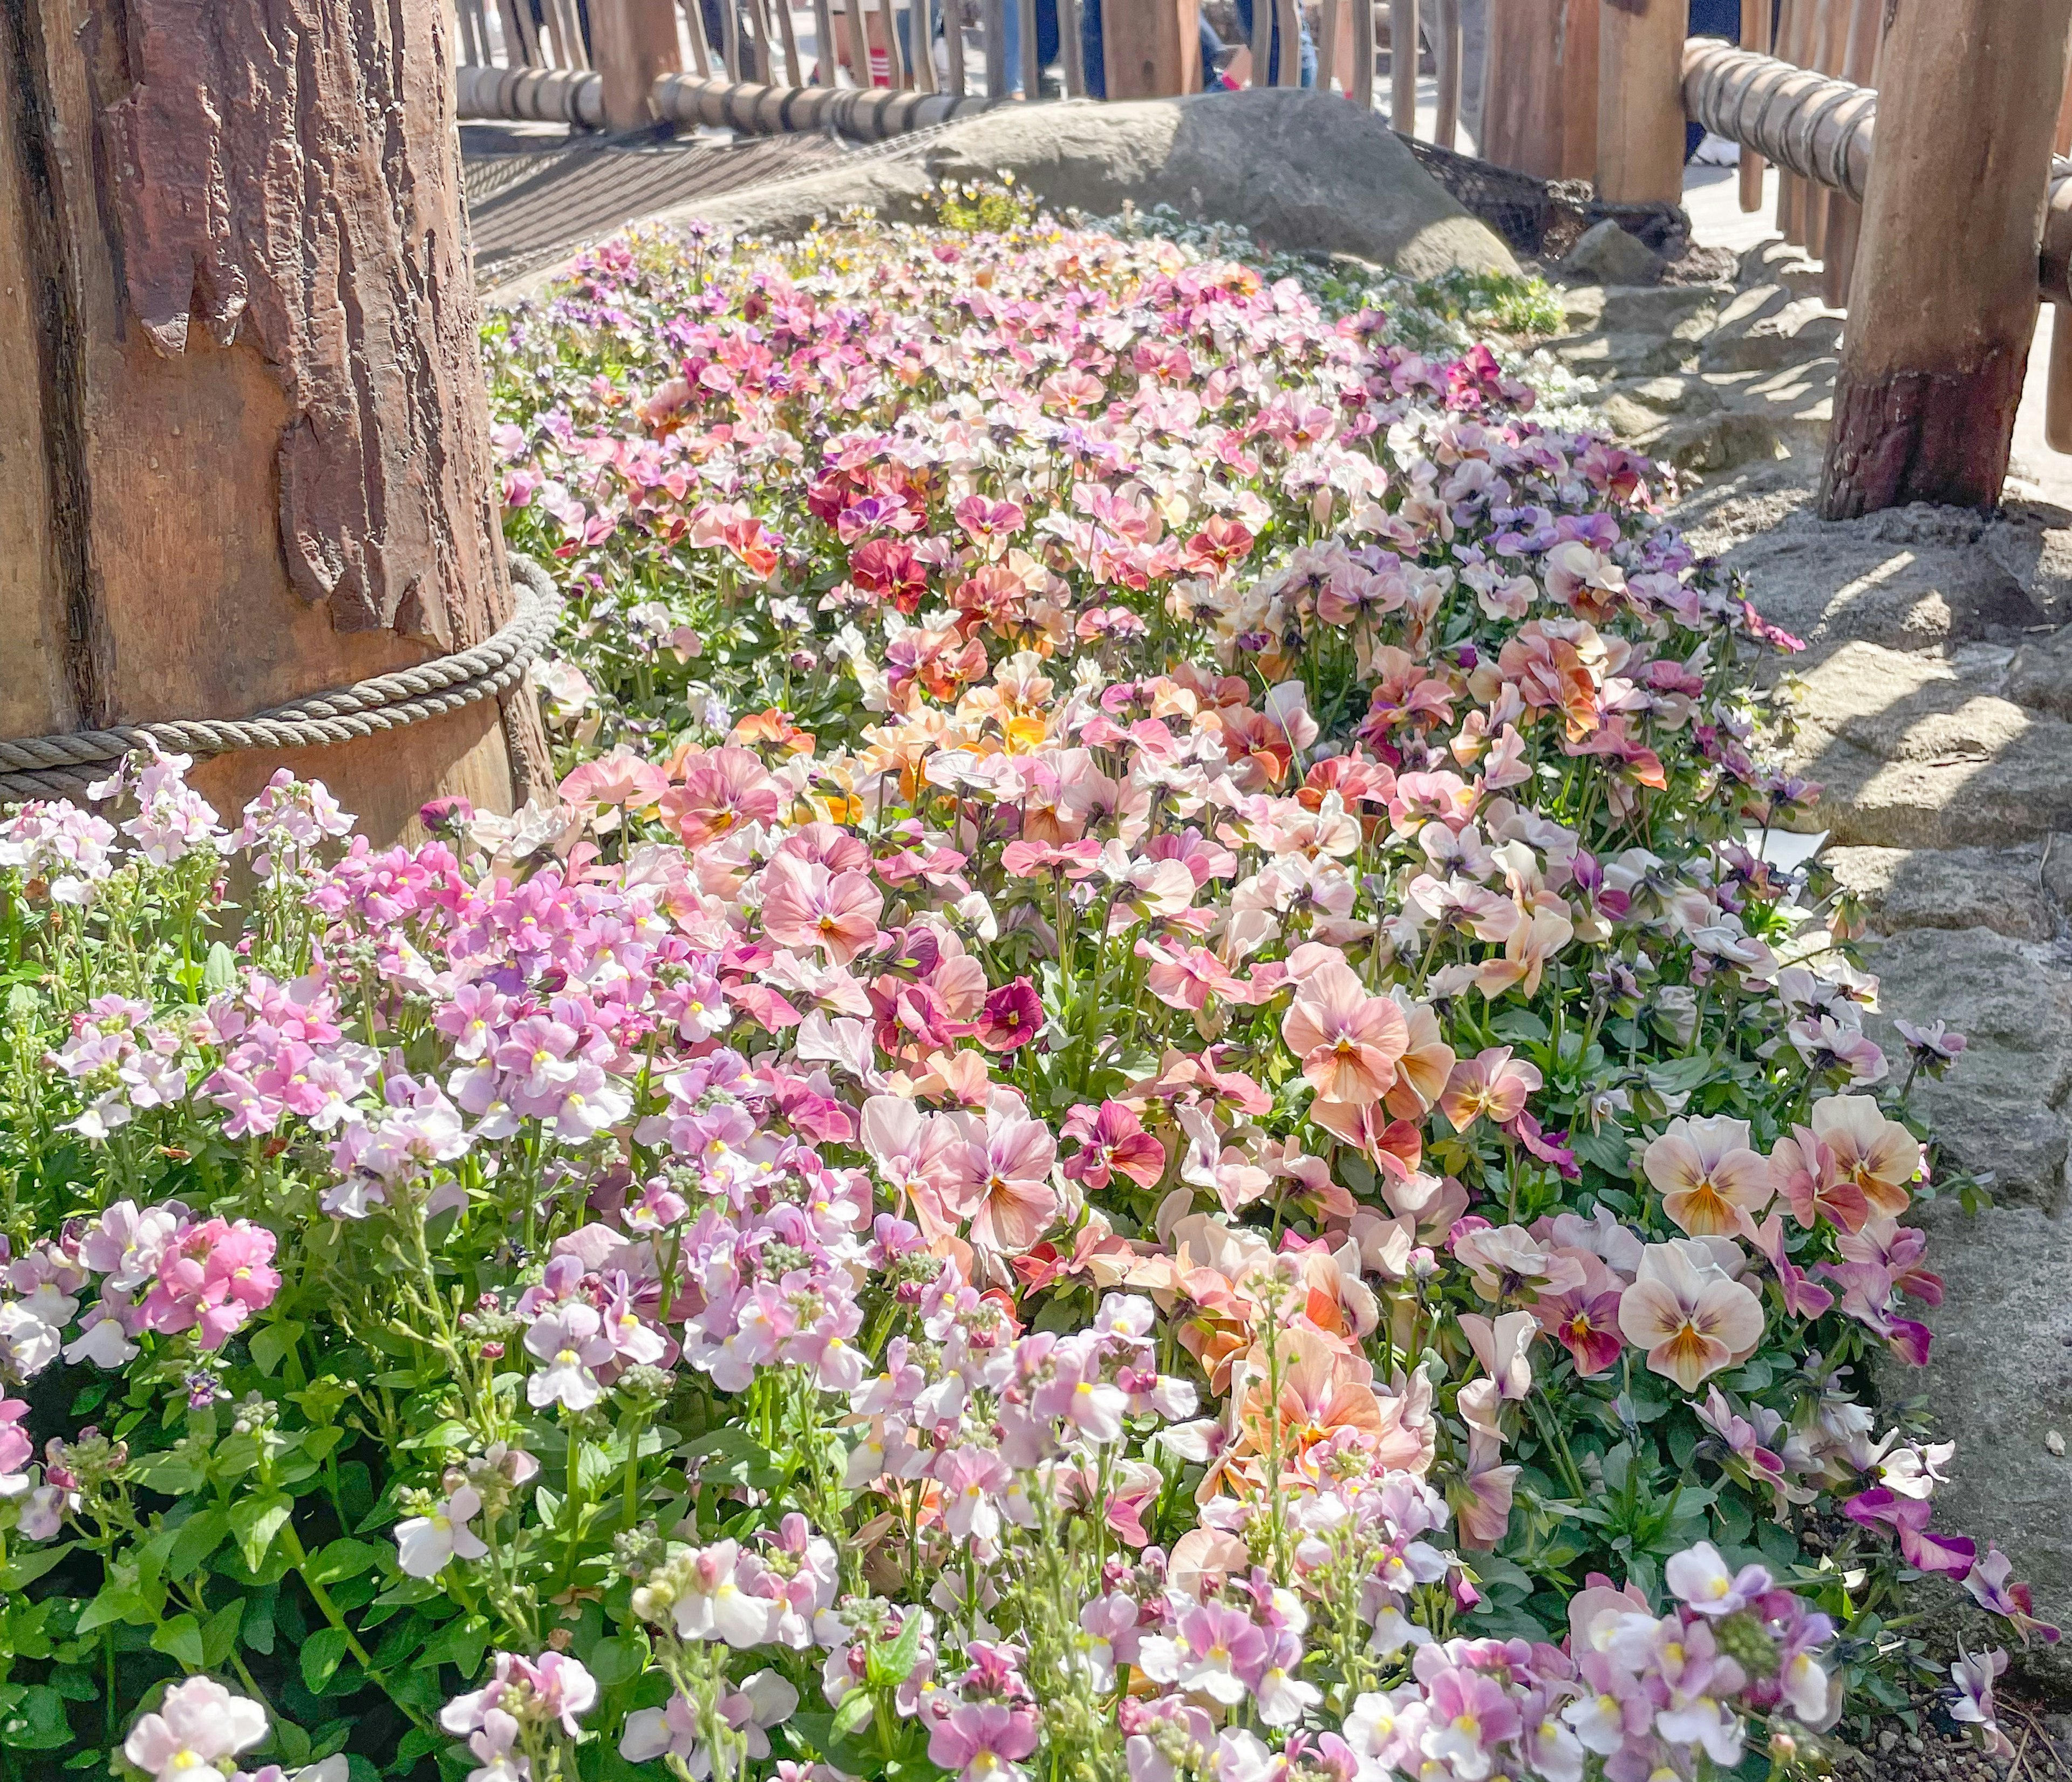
(424, 1543)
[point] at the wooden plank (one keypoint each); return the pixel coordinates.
(859, 49)
(1262, 40)
(1792, 20)
(1830, 32)
(1755, 35)
(1072, 48)
(1287, 62)
(953, 41)
(1576, 51)
(1032, 60)
(1151, 49)
(1402, 34)
(1522, 88)
(895, 47)
(1845, 216)
(789, 32)
(1327, 44)
(637, 43)
(1446, 123)
(1640, 102)
(994, 14)
(1943, 299)
(1362, 91)
(2057, 400)
(2062, 143)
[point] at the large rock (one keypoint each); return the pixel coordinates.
(1902, 888)
(1301, 170)
(1923, 751)
(1999, 1112)
(1765, 328)
(1999, 1382)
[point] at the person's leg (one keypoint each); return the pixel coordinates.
(1010, 44)
(1049, 46)
(1212, 46)
(1090, 48)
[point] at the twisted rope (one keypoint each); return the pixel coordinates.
(64, 766)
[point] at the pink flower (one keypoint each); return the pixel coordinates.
(982, 1741)
(1689, 1316)
(197, 1723)
(1711, 1184)
(1007, 1193)
(1492, 1086)
(804, 905)
(1012, 1017)
(214, 1275)
(1112, 1141)
(1348, 1041)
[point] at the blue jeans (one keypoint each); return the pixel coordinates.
(1049, 45)
(1271, 74)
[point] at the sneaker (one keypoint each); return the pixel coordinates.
(1717, 151)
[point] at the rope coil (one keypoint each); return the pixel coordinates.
(65, 765)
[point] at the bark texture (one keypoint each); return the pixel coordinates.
(288, 167)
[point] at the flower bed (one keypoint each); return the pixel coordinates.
(1145, 1111)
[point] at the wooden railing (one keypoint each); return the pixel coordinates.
(529, 59)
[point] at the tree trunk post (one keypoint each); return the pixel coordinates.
(1153, 50)
(1943, 299)
(1640, 101)
(245, 457)
(633, 41)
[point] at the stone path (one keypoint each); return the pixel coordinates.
(1933, 701)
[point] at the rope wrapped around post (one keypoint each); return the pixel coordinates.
(66, 765)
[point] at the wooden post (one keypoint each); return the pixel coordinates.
(1640, 102)
(1755, 35)
(694, 22)
(1827, 58)
(953, 40)
(1446, 52)
(1791, 189)
(1845, 216)
(1576, 50)
(1288, 31)
(1071, 48)
(1151, 49)
(1262, 39)
(790, 33)
(1362, 91)
(248, 443)
(635, 41)
(1522, 87)
(1402, 66)
(2058, 395)
(1327, 44)
(994, 13)
(1943, 302)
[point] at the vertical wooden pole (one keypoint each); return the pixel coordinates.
(248, 447)
(859, 41)
(1942, 301)
(1827, 58)
(1363, 48)
(1287, 33)
(953, 41)
(795, 70)
(2057, 401)
(1032, 58)
(1845, 216)
(1640, 102)
(1446, 122)
(1402, 66)
(1071, 48)
(730, 36)
(2063, 140)
(1327, 44)
(1791, 23)
(1576, 50)
(896, 55)
(1755, 35)
(1262, 39)
(635, 41)
(1150, 50)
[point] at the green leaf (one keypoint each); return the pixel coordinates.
(344, 1558)
(218, 1633)
(895, 1663)
(733, 1457)
(175, 1472)
(114, 1603)
(294, 1742)
(321, 1653)
(415, 1744)
(255, 1521)
(853, 1713)
(198, 1537)
(37, 1723)
(180, 1638)
(448, 1434)
(25, 1568)
(611, 1661)
(271, 1343)
(220, 972)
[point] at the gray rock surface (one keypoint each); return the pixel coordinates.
(1901, 888)
(1299, 168)
(1608, 254)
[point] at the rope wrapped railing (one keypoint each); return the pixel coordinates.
(865, 114)
(65, 765)
(538, 96)
(1808, 124)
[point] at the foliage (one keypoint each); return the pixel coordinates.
(1143, 1110)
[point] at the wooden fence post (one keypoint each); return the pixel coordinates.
(249, 450)
(1402, 66)
(633, 41)
(1576, 51)
(1522, 89)
(1151, 49)
(1640, 101)
(1446, 54)
(1755, 35)
(1942, 301)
